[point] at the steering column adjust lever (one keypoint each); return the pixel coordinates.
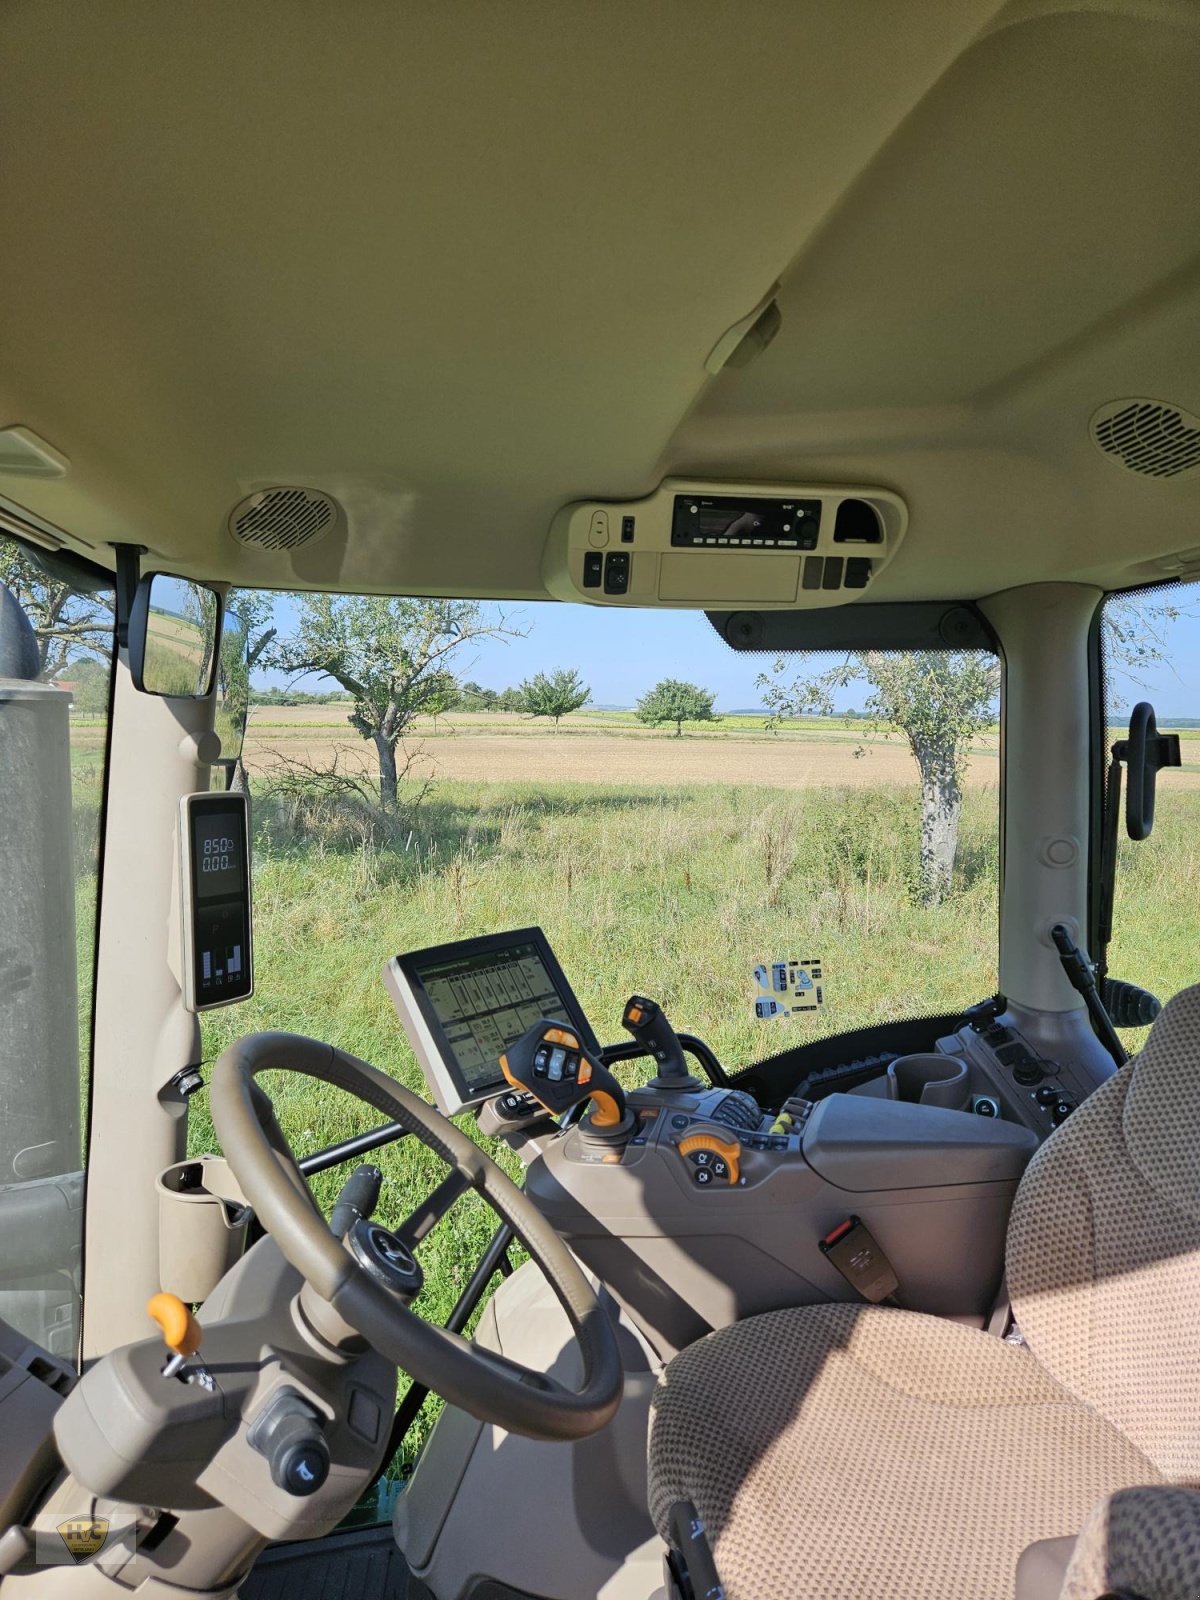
(647, 1021)
(549, 1062)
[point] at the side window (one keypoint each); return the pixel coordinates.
(55, 669)
(1151, 652)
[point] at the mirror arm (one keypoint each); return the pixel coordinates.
(129, 571)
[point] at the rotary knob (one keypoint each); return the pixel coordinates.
(714, 1161)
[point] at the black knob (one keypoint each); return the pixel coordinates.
(1062, 1111)
(1048, 1095)
(289, 1434)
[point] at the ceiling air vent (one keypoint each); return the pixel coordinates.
(284, 518)
(1149, 437)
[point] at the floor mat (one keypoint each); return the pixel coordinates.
(364, 1565)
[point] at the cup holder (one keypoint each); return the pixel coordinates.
(929, 1080)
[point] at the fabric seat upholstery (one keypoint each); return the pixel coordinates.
(849, 1451)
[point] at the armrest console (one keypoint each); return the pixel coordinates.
(860, 1143)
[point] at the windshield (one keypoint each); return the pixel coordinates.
(55, 666)
(752, 842)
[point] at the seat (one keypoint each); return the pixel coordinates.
(849, 1451)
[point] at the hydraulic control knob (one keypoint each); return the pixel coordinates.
(646, 1020)
(549, 1062)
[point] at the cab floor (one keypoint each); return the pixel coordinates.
(363, 1565)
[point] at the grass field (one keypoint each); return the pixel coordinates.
(678, 889)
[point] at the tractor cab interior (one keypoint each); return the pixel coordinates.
(754, 334)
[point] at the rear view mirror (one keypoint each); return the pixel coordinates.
(233, 690)
(173, 625)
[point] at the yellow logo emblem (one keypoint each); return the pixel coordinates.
(83, 1536)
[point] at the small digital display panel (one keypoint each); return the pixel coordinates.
(471, 1000)
(745, 523)
(219, 913)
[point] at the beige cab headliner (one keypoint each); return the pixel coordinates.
(459, 263)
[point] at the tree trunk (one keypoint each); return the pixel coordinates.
(240, 783)
(387, 771)
(941, 808)
(679, 729)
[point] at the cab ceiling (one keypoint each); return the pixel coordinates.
(460, 263)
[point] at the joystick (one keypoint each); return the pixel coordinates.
(549, 1062)
(647, 1022)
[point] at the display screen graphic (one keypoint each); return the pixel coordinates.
(485, 1003)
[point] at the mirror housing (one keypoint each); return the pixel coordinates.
(174, 628)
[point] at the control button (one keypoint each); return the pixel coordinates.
(858, 572)
(289, 1434)
(777, 1142)
(703, 1175)
(598, 530)
(1062, 1111)
(593, 569)
(1048, 1095)
(679, 1120)
(720, 1170)
(558, 1057)
(570, 1068)
(627, 527)
(703, 1158)
(984, 1105)
(616, 572)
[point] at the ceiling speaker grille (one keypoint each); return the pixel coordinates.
(282, 519)
(1149, 437)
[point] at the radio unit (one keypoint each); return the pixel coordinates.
(720, 545)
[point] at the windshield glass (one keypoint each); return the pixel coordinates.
(55, 668)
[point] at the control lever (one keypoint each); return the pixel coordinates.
(357, 1199)
(1083, 980)
(549, 1062)
(647, 1022)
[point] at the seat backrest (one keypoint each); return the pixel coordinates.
(1104, 1247)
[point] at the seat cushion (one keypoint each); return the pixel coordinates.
(848, 1451)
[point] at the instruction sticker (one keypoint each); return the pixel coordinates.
(784, 988)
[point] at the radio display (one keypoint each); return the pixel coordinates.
(745, 522)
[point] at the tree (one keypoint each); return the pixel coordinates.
(474, 697)
(939, 699)
(67, 622)
(673, 701)
(391, 655)
(509, 700)
(444, 695)
(555, 695)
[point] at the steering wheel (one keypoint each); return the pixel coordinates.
(488, 1385)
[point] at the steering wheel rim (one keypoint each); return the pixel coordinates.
(489, 1386)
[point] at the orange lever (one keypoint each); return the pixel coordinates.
(180, 1330)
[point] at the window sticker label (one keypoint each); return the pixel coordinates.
(787, 987)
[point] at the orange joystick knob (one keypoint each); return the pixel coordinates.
(180, 1330)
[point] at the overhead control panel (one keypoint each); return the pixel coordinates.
(710, 545)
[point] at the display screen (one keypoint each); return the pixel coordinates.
(745, 522)
(464, 1004)
(485, 1002)
(220, 861)
(220, 908)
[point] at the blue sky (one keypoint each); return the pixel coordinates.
(623, 653)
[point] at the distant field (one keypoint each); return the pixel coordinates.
(612, 747)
